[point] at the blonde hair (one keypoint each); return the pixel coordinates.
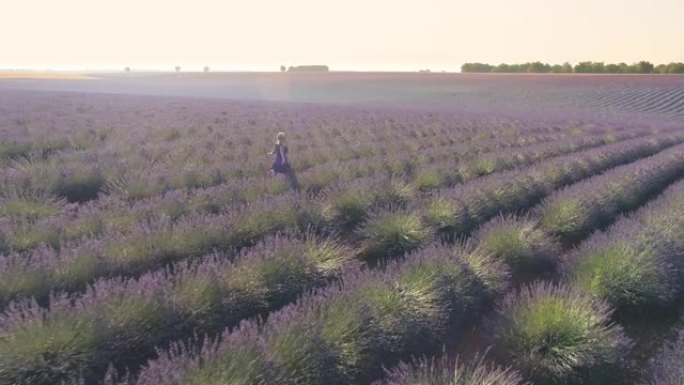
(280, 137)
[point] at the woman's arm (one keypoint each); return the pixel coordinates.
(274, 150)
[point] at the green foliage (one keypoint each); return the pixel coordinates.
(396, 194)
(449, 371)
(264, 281)
(565, 68)
(476, 67)
(493, 275)
(134, 322)
(80, 186)
(391, 234)
(557, 336)
(76, 272)
(25, 237)
(446, 217)
(431, 286)
(397, 316)
(427, 180)
(301, 354)
(564, 218)
(625, 276)
(521, 244)
(23, 281)
(308, 68)
(532, 67)
(585, 67)
(199, 299)
(588, 67)
(643, 67)
(11, 150)
(326, 255)
(476, 168)
(29, 208)
(84, 226)
(346, 208)
(347, 326)
(240, 365)
(44, 352)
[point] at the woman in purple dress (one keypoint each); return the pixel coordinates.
(280, 163)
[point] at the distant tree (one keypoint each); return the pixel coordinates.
(206, 68)
(567, 68)
(598, 68)
(625, 68)
(538, 67)
(127, 69)
(178, 68)
(503, 68)
(518, 68)
(612, 68)
(310, 68)
(282, 68)
(290, 68)
(675, 68)
(582, 67)
(644, 67)
(476, 67)
(588, 67)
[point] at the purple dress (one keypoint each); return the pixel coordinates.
(280, 164)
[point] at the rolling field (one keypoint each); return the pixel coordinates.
(439, 229)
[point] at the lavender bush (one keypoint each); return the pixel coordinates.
(556, 335)
(636, 264)
(447, 371)
(573, 212)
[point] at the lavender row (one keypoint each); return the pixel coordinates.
(541, 246)
(27, 209)
(573, 212)
(150, 247)
(234, 126)
(343, 334)
(278, 265)
(457, 211)
(26, 232)
(635, 264)
(122, 320)
(72, 268)
(143, 253)
(639, 261)
(235, 130)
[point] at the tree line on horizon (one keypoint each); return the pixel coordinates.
(305, 68)
(586, 67)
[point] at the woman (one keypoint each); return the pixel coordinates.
(280, 164)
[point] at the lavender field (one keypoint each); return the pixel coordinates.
(438, 229)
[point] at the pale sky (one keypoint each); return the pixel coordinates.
(344, 34)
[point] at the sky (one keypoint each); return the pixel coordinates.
(376, 35)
